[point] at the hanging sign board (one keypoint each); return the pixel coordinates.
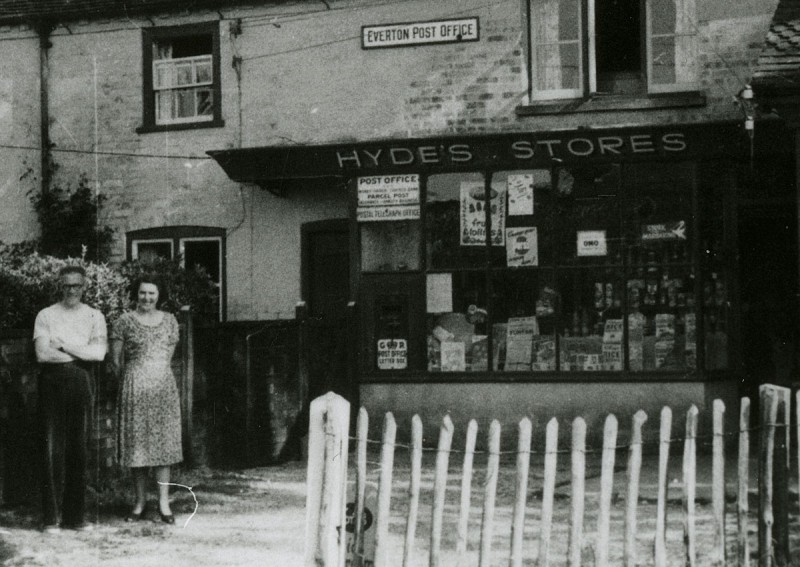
(388, 197)
(419, 33)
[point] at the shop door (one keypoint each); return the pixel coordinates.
(769, 285)
(326, 287)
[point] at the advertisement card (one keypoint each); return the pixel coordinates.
(439, 293)
(592, 243)
(520, 194)
(392, 354)
(473, 214)
(519, 342)
(522, 247)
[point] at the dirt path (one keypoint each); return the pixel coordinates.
(251, 517)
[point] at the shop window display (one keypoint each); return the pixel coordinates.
(588, 268)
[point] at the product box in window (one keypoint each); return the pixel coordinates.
(454, 356)
(636, 324)
(479, 353)
(544, 350)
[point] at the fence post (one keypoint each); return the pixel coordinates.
(577, 508)
(520, 491)
(440, 489)
(632, 500)
(466, 492)
(718, 484)
(690, 486)
(326, 478)
(362, 428)
(660, 551)
(743, 508)
(385, 491)
(413, 489)
(606, 489)
(187, 385)
(489, 495)
(773, 541)
(548, 490)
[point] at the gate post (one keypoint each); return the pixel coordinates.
(326, 481)
(773, 477)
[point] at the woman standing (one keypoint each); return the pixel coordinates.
(142, 343)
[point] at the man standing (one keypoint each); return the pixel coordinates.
(68, 336)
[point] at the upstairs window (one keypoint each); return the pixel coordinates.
(181, 77)
(622, 47)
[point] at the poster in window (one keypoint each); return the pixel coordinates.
(454, 356)
(664, 232)
(520, 194)
(439, 293)
(473, 214)
(519, 342)
(592, 243)
(522, 247)
(392, 354)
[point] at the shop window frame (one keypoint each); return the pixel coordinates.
(417, 316)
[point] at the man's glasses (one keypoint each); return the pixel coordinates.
(72, 286)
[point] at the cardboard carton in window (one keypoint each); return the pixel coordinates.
(479, 353)
(454, 356)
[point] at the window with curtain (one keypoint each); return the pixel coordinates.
(622, 47)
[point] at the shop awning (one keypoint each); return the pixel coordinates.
(704, 140)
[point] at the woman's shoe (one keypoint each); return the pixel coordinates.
(167, 518)
(134, 517)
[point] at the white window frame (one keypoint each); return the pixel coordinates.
(587, 35)
(173, 86)
(135, 246)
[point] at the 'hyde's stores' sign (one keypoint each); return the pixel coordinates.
(523, 150)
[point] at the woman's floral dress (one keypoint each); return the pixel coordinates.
(149, 408)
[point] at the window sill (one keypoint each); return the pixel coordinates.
(610, 103)
(643, 377)
(148, 128)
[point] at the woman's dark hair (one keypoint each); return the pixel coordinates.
(163, 293)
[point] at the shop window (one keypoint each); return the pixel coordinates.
(181, 77)
(203, 247)
(629, 47)
(582, 268)
(390, 246)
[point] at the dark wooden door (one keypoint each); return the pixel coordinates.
(326, 287)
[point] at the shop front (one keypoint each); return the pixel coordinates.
(546, 274)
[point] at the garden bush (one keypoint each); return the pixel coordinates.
(29, 282)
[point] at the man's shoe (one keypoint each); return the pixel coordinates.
(84, 527)
(51, 529)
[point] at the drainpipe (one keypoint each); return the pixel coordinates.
(43, 30)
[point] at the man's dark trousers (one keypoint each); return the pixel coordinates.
(65, 405)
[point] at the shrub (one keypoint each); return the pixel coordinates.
(69, 222)
(29, 282)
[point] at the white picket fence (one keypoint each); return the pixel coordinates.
(328, 477)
